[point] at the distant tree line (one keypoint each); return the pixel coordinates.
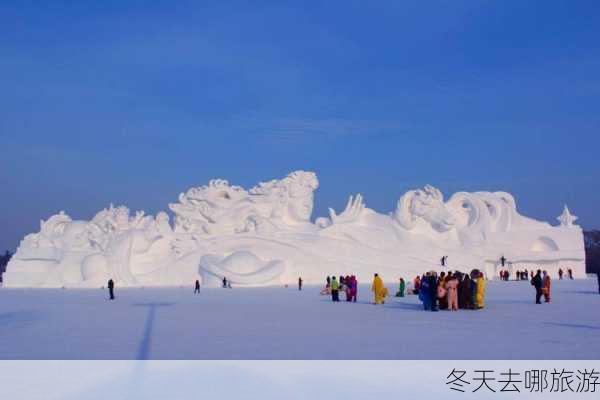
(4, 259)
(592, 251)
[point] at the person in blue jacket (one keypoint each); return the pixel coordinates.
(424, 292)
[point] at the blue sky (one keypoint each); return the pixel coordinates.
(131, 102)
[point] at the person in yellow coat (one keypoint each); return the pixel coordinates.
(379, 291)
(480, 294)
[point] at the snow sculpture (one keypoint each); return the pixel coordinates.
(219, 208)
(351, 213)
(425, 210)
(240, 268)
(80, 253)
(264, 236)
(566, 219)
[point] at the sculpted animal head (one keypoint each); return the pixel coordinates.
(426, 205)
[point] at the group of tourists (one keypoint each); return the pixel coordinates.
(524, 275)
(449, 291)
(541, 282)
(519, 275)
(569, 273)
(347, 284)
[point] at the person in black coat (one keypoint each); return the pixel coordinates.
(111, 289)
(433, 292)
(537, 282)
(464, 300)
(197, 289)
(300, 283)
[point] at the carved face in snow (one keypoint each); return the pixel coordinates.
(300, 208)
(428, 205)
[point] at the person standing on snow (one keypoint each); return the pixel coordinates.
(441, 291)
(334, 285)
(474, 290)
(354, 290)
(546, 286)
(537, 282)
(480, 297)
(416, 285)
(401, 287)
(465, 293)
(197, 289)
(560, 273)
(379, 291)
(433, 284)
(348, 287)
(451, 287)
(111, 289)
(300, 283)
(424, 292)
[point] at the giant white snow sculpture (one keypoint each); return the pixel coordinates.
(264, 236)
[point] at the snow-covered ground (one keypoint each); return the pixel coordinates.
(282, 323)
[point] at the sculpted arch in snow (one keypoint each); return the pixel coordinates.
(264, 236)
(544, 244)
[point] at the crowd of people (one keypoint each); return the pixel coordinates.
(525, 274)
(450, 291)
(541, 282)
(346, 284)
(349, 286)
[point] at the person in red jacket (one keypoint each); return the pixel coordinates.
(354, 288)
(417, 285)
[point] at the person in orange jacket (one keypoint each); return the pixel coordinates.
(546, 282)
